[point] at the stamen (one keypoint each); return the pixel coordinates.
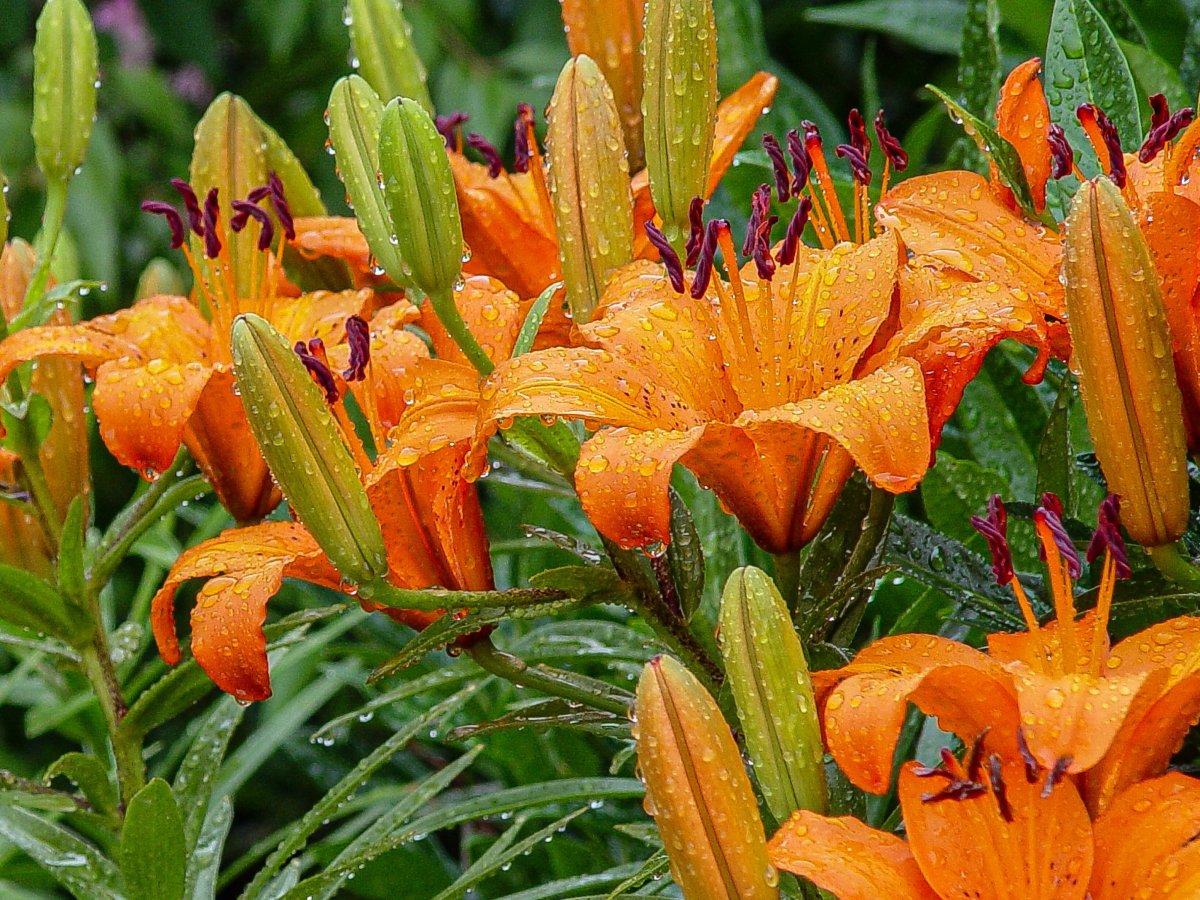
(1161, 135)
(1160, 112)
(244, 211)
(319, 370)
(1055, 775)
(1107, 537)
(670, 258)
(195, 217)
(890, 144)
(783, 181)
(448, 126)
(762, 248)
(999, 791)
(858, 162)
(760, 205)
(705, 258)
(801, 163)
(212, 214)
(791, 240)
(521, 137)
(490, 154)
(961, 787)
(358, 337)
(1105, 140)
(994, 528)
(975, 759)
(1062, 157)
(1031, 764)
(822, 184)
(283, 212)
(695, 230)
(174, 220)
(1050, 514)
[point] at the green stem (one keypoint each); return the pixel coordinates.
(452, 320)
(52, 225)
(549, 680)
(1171, 562)
(787, 577)
(97, 665)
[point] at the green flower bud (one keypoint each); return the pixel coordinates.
(381, 41)
(159, 277)
(305, 451)
(418, 188)
(589, 182)
(65, 76)
(679, 104)
(767, 672)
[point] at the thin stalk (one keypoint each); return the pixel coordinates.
(97, 665)
(1172, 563)
(787, 577)
(52, 225)
(546, 679)
(452, 320)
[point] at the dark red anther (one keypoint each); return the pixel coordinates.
(448, 126)
(490, 154)
(1107, 538)
(1055, 775)
(283, 212)
(212, 214)
(1062, 157)
(174, 220)
(1027, 757)
(791, 239)
(999, 791)
(812, 134)
(858, 162)
(858, 134)
(975, 757)
(890, 144)
(994, 528)
(195, 216)
(1050, 514)
(244, 210)
(1112, 141)
(957, 789)
(524, 153)
(708, 253)
(783, 180)
(763, 260)
(760, 207)
(358, 337)
(670, 258)
(318, 368)
(1160, 112)
(695, 230)
(1160, 135)
(801, 161)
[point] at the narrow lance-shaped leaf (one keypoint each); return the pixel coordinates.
(381, 40)
(151, 850)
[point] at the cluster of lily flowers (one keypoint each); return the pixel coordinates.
(773, 381)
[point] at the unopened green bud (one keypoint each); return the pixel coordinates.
(355, 115)
(697, 789)
(305, 451)
(65, 77)
(418, 188)
(589, 181)
(767, 672)
(381, 41)
(679, 104)
(158, 278)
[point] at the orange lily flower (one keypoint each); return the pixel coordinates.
(63, 453)
(1058, 693)
(429, 515)
(162, 367)
(772, 386)
(987, 832)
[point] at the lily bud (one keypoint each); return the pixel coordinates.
(305, 451)
(697, 789)
(355, 114)
(767, 672)
(159, 278)
(1122, 348)
(611, 34)
(65, 76)
(679, 104)
(381, 41)
(589, 182)
(418, 188)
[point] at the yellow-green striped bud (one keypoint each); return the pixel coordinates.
(65, 77)
(381, 41)
(589, 182)
(697, 789)
(158, 278)
(418, 188)
(305, 450)
(355, 115)
(767, 672)
(679, 104)
(1122, 349)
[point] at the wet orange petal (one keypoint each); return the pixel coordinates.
(847, 858)
(442, 411)
(320, 314)
(966, 848)
(492, 313)
(1023, 119)
(243, 568)
(336, 236)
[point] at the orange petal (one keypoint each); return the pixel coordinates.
(848, 859)
(880, 420)
(966, 848)
(17, 261)
(737, 115)
(443, 411)
(320, 314)
(1149, 831)
(144, 407)
(244, 568)
(1023, 119)
(492, 313)
(336, 236)
(953, 217)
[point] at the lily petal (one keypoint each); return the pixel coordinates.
(492, 313)
(1023, 119)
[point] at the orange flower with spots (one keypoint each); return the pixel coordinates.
(1058, 693)
(162, 367)
(429, 515)
(984, 830)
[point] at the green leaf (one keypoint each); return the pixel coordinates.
(1084, 64)
(1154, 75)
(587, 584)
(1055, 460)
(956, 489)
(685, 557)
(29, 602)
(548, 714)
(653, 869)
(70, 554)
(91, 776)
(979, 58)
(204, 860)
(73, 862)
(151, 852)
(193, 781)
(742, 42)
(533, 319)
(933, 25)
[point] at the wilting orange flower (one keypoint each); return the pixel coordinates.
(1057, 693)
(430, 516)
(985, 831)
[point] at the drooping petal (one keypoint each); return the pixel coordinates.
(967, 847)
(492, 313)
(244, 568)
(847, 858)
(443, 411)
(1023, 119)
